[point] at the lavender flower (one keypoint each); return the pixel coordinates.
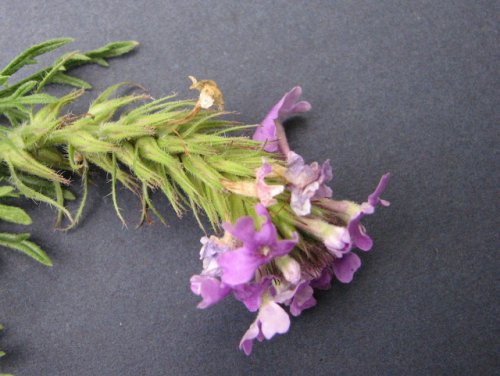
(266, 192)
(298, 296)
(287, 106)
(259, 189)
(352, 213)
(259, 268)
(259, 247)
(345, 267)
(357, 231)
(307, 182)
(211, 289)
(271, 320)
(335, 238)
(302, 299)
(251, 293)
(207, 285)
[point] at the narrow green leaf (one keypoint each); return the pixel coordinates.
(83, 201)
(55, 68)
(14, 214)
(65, 79)
(37, 99)
(25, 246)
(27, 57)
(31, 193)
(60, 200)
(113, 49)
(6, 190)
(95, 56)
(113, 191)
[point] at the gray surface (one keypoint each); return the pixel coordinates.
(407, 87)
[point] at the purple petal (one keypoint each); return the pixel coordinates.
(357, 231)
(264, 170)
(303, 299)
(266, 192)
(246, 342)
(338, 241)
(326, 175)
(301, 199)
(251, 293)
(267, 234)
(374, 198)
(301, 106)
(244, 229)
(273, 319)
(306, 182)
(345, 267)
(210, 289)
(324, 281)
(283, 247)
(287, 106)
(358, 234)
(263, 212)
(239, 266)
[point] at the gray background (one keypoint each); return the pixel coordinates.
(409, 87)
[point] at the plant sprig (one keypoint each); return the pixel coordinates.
(16, 105)
(16, 98)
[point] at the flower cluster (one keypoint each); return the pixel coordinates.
(294, 240)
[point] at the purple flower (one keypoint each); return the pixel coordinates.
(287, 106)
(298, 296)
(356, 230)
(335, 238)
(259, 247)
(345, 267)
(251, 293)
(271, 319)
(324, 281)
(207, 285)
(211, 289)
(266, 192)
(211, 249)
(307, 182)
(302, 299)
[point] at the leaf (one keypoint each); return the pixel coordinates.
(59, 65)
(14, 214)
(7, 190)
(28, 56)
(20, 243)
(23, 89)
(112, 50)
(37, 99)
(97, 56)
(64, 79)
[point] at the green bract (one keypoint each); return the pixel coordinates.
(23, 165)
(157, 145)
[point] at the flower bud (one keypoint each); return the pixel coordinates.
(289, 267)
